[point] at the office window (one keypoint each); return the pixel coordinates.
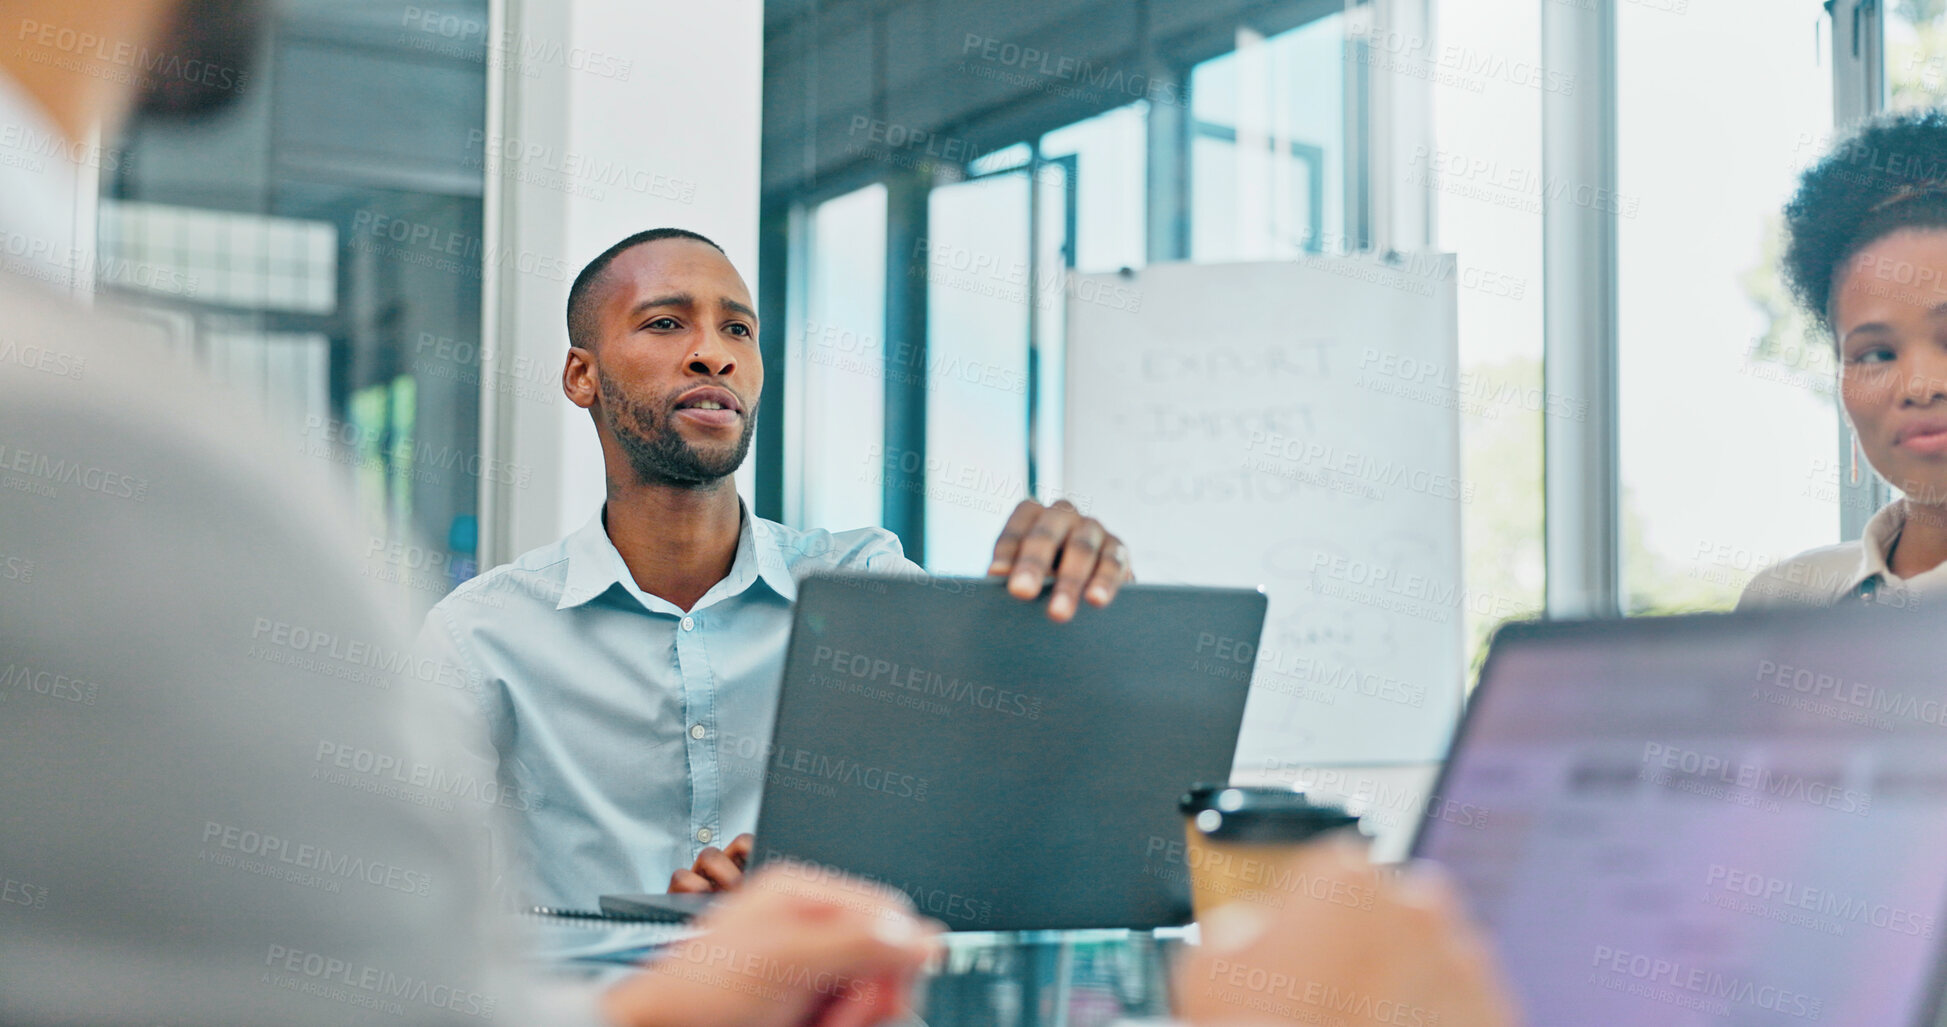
(1267, 146)
(1727, 408)
(224, 258)
(287, 373)
(1916, 54)
(978, 293)
(838, 366)
(1103, 157)
(1007, 158)
(156, 252)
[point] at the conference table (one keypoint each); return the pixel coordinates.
(1090, 978)
(1086, 978)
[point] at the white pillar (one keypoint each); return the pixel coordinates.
(1581, 456)
(605, 117)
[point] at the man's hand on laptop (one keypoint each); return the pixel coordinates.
(1087, 562)
(1359, 946)
(715, 869)
(797, 946)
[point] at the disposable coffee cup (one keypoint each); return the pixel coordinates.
(1242, 842)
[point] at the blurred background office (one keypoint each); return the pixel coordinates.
(376, 243)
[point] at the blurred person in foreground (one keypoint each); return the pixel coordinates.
(184, 637)
(1867, 258)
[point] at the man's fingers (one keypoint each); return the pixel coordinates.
(1424, 884)
(688, 882)
(888, 941)
(1077, 565)
(1039, 547)
(1495, 1006)
(1376, 932)
(722, 872)
(796, 945)
(864, 924)
(739, 849)
(1009, 544)
(1111, 572)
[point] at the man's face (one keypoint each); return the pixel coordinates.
(676, 367)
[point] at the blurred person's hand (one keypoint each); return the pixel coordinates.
(1087, 562)
(715, 869)
(1347, 944)
(796, 946)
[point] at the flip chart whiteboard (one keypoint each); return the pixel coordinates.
(1295, 426)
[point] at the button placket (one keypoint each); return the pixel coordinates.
(699, 705)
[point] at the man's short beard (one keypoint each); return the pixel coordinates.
(657, 452)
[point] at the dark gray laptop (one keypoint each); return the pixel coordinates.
(1708, 820)
(1006, 772)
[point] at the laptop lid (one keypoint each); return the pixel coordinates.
(1007, 772)
(1707, 820)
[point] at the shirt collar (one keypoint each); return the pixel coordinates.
(594, 565)
(765, 540)
(1877, 542)
(39, 183)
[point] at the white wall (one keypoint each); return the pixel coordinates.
(613, 116)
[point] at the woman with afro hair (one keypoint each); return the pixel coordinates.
(1868, 258)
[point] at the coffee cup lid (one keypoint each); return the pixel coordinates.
(1238, 814)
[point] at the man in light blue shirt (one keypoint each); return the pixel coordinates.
(630, 670)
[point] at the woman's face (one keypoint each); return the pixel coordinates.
(1889, 312)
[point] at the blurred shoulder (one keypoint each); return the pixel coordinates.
(195, 599)
(1816, 577)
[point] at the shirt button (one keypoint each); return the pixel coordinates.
(689, 623)
(698, 731)
(703, 835)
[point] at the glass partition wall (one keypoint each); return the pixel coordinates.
(318, 246)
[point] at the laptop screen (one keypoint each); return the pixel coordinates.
(1707, 820)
